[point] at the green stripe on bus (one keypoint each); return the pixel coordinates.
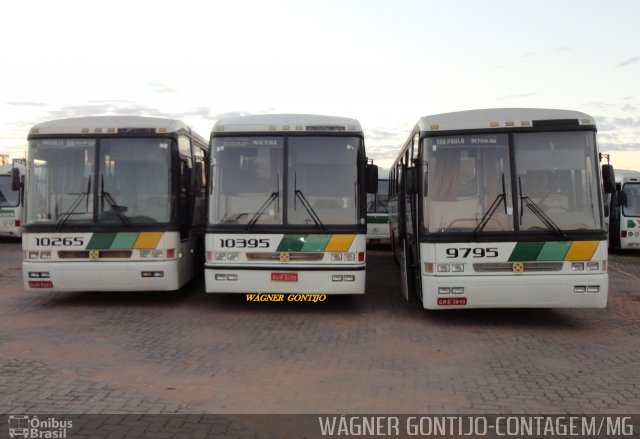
(554, 251)
(526, 251)
(377, 219)
(291, 243)
(631, 224)
(124, 241)
(101, 241)
(316, 243)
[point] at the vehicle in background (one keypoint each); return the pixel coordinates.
(11, 198)
(624, 206)
(378, 214)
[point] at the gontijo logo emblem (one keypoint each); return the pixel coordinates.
(32, 427)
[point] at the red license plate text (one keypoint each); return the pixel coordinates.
(40, 284)
(449, 301)
(284, 277)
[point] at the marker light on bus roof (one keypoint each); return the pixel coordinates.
(510, 123)
(111, 130)
(84, 130)
(35, 131)
(162, 130)
(525, 123)
(495, 124)
(98, 130)
(586, 121)
(435, 127)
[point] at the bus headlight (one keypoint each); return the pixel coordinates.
(593, 266)
(219, 256)
(457, 268)
(444, 268)
(45, 255)
(577, 266)
(351, 257)
(336, 257)
(157, 253)
(34, 255)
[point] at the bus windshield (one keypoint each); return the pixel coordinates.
(248, 180)
(470, 183)
(323, 180)
(632, 208)
(8, 197)
(466, 175)
(132, 184)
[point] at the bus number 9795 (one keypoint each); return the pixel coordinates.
(477, 252)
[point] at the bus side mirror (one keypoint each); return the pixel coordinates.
(372, 179)
(608, 179)
(15, 179)
(412, 181)
(622, 199)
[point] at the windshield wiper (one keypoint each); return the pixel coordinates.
(492, 209)
(312, 213)
(299, 195)
(66, 215)
(114, 206)
(537, 210)
(267, 203)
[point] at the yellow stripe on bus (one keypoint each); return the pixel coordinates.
(339, 243)
(581, 251)
(148, 240)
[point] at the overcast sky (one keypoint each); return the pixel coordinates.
(385, 63)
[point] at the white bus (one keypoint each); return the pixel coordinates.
(378, 214)
(287, 205)
(501, 208)
(624, 221)
(11, 199)
(114, 203)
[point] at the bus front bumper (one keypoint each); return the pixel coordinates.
(539, 291)
(101, 276)
(287, 280)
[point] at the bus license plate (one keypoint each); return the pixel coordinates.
(453, 301)
(284, 277)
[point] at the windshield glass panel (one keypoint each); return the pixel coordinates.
(60, 180)
(323, 180)
(633, 199)
(8, 197)
(246, 179)
(135, 181)
(557, 172)
(377, 203)
(465, 177)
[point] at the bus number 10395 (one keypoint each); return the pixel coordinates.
(244, 243)
(478, 252)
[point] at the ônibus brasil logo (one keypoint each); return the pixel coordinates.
(32, 427)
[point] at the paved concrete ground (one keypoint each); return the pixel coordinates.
(189, 352)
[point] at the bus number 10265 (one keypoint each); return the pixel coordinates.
(478, 252)
(244, 243)
(60, 242)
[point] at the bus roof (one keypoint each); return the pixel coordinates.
(626, 175)
(498, 118)
(109, 125)
(286, 123)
